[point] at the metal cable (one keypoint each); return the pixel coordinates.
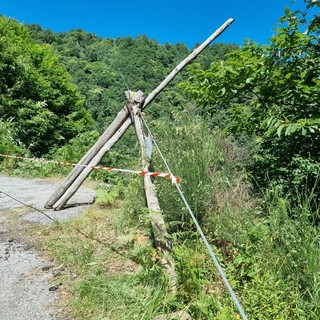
(27, 205)
(215, 260)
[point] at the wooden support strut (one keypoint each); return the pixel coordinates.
(87, 170)
(57, 198)
(139, 97)
(161, 237)
(118, 122)
(183, 63)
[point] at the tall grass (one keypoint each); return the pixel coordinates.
(112, 258)
(268, 245)
(195, 158)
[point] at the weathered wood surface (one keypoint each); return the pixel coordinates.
(183, 63)
(72, 176)
(161, 237)
(87, 170)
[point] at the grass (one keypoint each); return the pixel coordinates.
(268, 245)
(109, 250)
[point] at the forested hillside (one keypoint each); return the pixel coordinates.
(37, 64)
(241, 128)
(37, 96)
(103, 69)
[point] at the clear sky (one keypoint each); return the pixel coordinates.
(172, 21)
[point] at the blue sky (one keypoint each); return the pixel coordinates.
(172, 21)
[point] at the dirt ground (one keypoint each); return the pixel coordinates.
(29, 283)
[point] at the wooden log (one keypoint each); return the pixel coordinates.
(134, 99)
(183, 63)
(95, 161)
(161, 237)
(122, 116)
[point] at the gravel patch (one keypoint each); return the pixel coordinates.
(35, 193)
(25, 287)
(28, 287)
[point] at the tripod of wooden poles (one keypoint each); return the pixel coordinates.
(130, 113)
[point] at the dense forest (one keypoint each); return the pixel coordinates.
(103, 69)
(240, 125)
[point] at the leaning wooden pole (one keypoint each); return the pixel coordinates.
(98, 155)
(122, 116)
(187, 60)
(87, 170)
(161, 237)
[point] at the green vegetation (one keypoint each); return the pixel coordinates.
(36, 93)
(103, 69)
(267, 243)
(270, 93)
(245, 144)
(111, 257)
(270, 258)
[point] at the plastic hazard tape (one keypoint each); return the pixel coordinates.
(65, 163)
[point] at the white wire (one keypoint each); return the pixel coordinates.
(215, 260)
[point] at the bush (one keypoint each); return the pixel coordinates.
(9, 145)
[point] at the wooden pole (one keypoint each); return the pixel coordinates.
(76, 171)
(161, 237)
(183, 63)
(87, 170)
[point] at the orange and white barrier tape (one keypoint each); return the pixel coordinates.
(65, 163)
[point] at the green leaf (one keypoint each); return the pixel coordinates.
(288, 75)
(286, 10)
(271, 121)
(279, 130)
(288, 130)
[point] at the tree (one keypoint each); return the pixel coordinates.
(36, 92)
(271, 93)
